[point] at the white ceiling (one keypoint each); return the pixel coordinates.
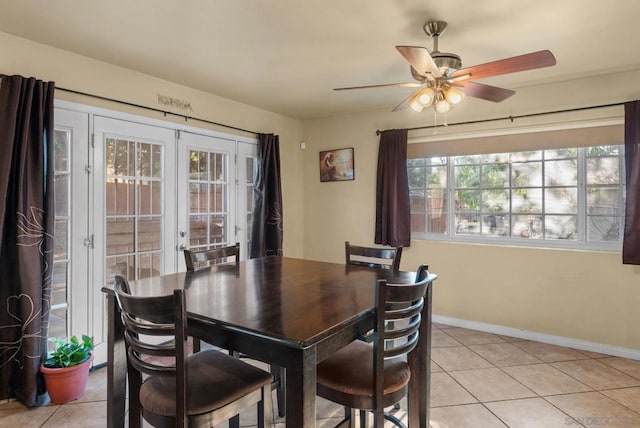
(286, 56)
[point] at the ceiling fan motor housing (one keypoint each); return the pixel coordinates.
(447, 62)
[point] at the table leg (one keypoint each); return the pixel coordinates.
(301, 388)
(116, 366)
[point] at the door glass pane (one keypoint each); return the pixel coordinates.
(119, 197)
(217, 230)
(251, 169)
(208, 199)
(134, 208)
(120, 235)
(58, 323)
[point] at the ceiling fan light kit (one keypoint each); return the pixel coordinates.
(442, 81)
(443, 99)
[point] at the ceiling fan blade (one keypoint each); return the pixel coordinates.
(514, 64)
(384, 85)
(405, 103)
(485, 92)
(420, 60)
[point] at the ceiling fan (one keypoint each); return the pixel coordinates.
(443, 82)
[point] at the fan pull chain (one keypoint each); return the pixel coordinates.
(435, 122)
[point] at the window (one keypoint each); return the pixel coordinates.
(59, 287)
(569, 197)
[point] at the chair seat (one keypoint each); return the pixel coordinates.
(348, 371)
(215, 380)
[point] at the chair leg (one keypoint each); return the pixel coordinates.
(349, 418)
(234, 422)
(135, 413)
(196, 345)
(279, 379)
(265, 406)
(363, 419)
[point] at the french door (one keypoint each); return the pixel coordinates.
(129, 197)
(247, 167)
(135, 199)
(133, 205)
(213, 183)
(70, 297)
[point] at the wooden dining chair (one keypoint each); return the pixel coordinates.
(373, 257)
(372, 376)
(201, 259)
(173, 389)
(196, 260)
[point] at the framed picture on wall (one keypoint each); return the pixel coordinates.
(336, 165)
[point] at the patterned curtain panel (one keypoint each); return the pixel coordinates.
(26, 235)
(631, 242)
(393, 218)
(266, 227)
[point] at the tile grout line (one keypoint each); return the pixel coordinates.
(516, 380)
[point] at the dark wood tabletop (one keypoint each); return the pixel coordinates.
(284, 311)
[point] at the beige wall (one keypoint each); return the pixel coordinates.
(587, 296)
(70, 71)
(582, 295)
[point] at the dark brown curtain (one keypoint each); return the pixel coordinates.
(393, 219)
(26, 233)
(631, 242)
(266, 227)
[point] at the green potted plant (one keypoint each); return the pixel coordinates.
(66, 370)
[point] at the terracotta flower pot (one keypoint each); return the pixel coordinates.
(68, 383)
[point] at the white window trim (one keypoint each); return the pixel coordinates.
(580, 244)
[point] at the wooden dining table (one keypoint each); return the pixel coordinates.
(288, 312)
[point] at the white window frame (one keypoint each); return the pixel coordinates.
(579, 244)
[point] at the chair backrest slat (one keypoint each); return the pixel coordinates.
(398, 318)
(402, 304)
(146, 317)
(201, 259)
(373, 257)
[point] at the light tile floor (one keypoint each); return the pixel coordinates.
(479, 380)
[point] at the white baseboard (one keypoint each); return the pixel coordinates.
(568, 342)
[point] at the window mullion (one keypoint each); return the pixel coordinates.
(582, 196)
(451, 202)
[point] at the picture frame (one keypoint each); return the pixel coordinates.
(337, 165)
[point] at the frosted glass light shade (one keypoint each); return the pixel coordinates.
(442, 106)
(425, 97)
(453, 96)
(415, 105)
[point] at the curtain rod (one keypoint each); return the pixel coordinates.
(157, 110)
(511, 118)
